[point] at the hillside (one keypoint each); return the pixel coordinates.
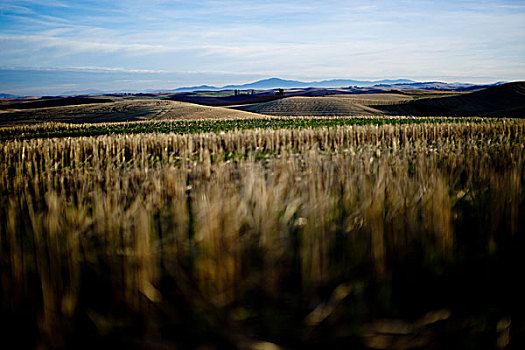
(506, 100)
(51, 102)
(119, 111)
(311, 106)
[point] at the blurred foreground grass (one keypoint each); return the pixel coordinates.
(391, 236)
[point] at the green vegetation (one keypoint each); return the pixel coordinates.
(320, 234)
(224, 93)
(47, 130)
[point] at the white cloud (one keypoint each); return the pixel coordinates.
(293, 38)
(50, 3)
(39, 42)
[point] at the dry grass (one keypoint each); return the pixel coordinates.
(339, 104)
(312, 106)
(291, 236)
(119, 111)
(375, 99)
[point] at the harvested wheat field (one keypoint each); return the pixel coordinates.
(262, 175)
(374, 99)
(404, 235)
(312, 106)
(340, 104)
(118, 111)
(503, 100)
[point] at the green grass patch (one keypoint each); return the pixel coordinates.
(213, 93)
(49, 130)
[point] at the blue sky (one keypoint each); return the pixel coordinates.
(122, 44)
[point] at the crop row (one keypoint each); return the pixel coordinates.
(49, 130)
(291, 235)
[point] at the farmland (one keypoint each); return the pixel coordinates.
(263, 232)
(262, 175)
(496, 101)
(182, 126)
(311, 106)
(119, 111)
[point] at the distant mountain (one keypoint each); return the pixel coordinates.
(436, 85)
(7, 96)
(84, 92)
(274, 83)
(195, 88)
(98, 92)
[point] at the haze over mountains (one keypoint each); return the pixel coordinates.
(505, 100)
(270, 83)
(274, 83)
(264, 84)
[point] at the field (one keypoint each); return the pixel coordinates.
(263, 233)
(312, 106)
(118, 111)
(225, 93)
(190, 126)
(342, 104)
(503, 100)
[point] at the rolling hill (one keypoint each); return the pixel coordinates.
(119, 111)
(311, 106)
(53, 102)
(506, 100)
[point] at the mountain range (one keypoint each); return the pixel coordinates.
(274, 83)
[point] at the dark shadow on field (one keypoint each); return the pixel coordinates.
(88, 113)
(53, 102)
(507, 100)
(230, 100)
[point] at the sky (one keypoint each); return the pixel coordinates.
(53, 46)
